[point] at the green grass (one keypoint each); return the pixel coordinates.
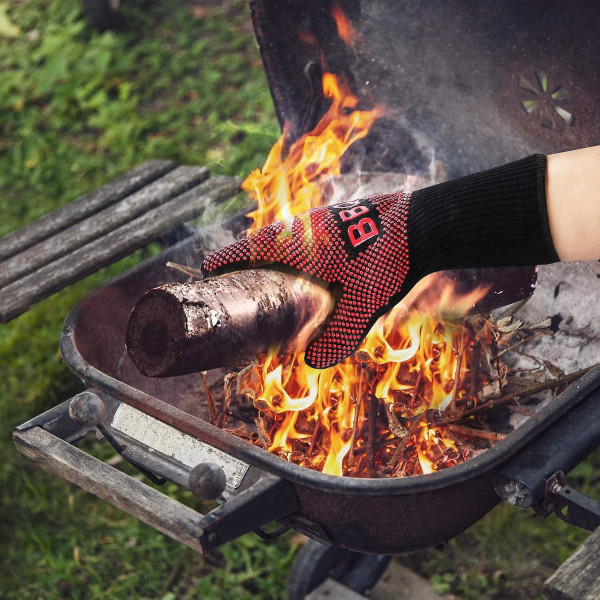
(76, 109)
(183, 81)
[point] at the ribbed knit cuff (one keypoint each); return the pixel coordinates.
(494, 218)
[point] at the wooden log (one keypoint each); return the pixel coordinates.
(84, 206)
(100, 223)
(578, 578)
(185, 328)
(16, 297)
(134, 497)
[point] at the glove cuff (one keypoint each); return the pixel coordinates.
(495, 218)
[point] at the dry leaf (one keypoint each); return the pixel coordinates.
(553, 369)
(249, 381)
(542, 325)
(507, 324)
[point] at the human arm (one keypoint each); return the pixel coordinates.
(372, 251)
(573, 199)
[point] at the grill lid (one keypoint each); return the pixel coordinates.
(475, 83)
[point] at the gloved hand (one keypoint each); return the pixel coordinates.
(374, 250)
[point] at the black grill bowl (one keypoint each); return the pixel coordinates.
(382, 516)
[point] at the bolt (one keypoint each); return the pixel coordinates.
(87, 409)
(207, 481)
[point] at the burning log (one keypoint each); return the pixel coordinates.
(183, 328)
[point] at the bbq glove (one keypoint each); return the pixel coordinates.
(374, 250)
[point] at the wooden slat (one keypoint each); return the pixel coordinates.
(65, 216)
(578, 578)
(18, 296)
(100, 223)
(134, 497)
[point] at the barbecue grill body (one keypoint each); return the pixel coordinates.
(367, 515)
(452, 76)
(454, 81)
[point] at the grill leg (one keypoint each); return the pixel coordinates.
(315, 562)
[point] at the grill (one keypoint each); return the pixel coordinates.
(443, 104)
(344, 511)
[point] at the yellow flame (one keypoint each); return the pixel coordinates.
(408, 360)
(290, 183)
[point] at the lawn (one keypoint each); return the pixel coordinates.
(182, 81)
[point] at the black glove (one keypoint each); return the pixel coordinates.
(377, 248)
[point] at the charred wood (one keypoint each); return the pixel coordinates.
(85, 206)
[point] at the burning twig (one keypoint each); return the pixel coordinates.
(241, 432)
(523, 340)
(498, 368)
(229, 378)
(474, 370)
(315, 435)
(263, 436)
(471, 433)
(357, 400)
(373, 406)
(393, 423)
(534, 389)
(401, 445)
(452, 408)
(211, 400)
(415, 390)
(193, 273)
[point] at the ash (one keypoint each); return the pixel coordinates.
(568, 293)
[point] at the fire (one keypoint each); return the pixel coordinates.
(371, 413)
(410, 364)
(292, 183)
(345, 30)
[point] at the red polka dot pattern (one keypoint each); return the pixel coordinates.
(313, 243)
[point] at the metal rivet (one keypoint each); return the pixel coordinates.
(87, 409)
(207, 481)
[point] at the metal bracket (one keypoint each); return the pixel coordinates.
(269, 536)
(120, 450)
(568, 504)
(269, 499)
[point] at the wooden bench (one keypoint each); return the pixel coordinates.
(578, 578)
(101, 227)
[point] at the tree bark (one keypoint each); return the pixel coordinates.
(184, 328)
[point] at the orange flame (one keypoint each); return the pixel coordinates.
(288, 185)
(345, 30)
(411, 361)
